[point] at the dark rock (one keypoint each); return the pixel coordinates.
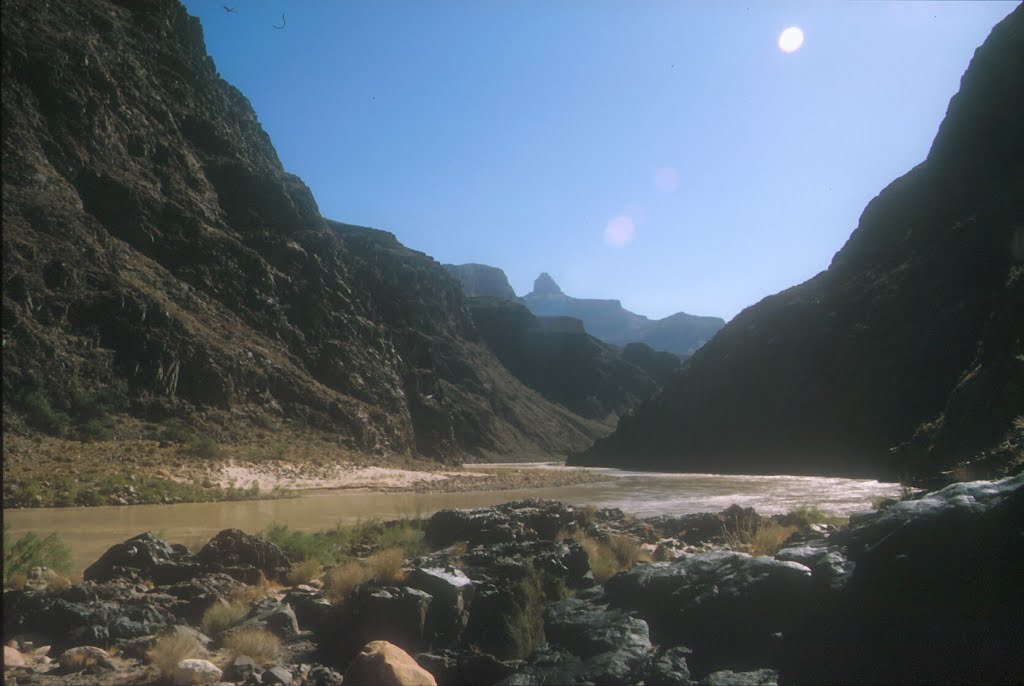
(277, 675)
(670, 669)
(310, 607)
(451, 668)
(279, 620)
(323, 676)
(235, 548)
(377, 613)
(728, 607)
(589, 644)
(452, 591)
(147, 556)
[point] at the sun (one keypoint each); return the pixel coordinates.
(791, 39)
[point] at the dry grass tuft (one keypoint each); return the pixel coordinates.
(607, 558)
(342, 580)
(386, 566)
(222, 615)
(259, 644)
(303, 572)
(764, 537)
(247, 595)
(170, 649)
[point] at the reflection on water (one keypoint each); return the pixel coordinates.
(91, 530)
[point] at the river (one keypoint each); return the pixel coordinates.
(91, 530)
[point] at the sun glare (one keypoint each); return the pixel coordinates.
(791, 39)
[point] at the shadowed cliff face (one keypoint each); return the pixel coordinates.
(156, 252)
(910, 340)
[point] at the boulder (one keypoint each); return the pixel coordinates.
(588, 643)
(453, 668)
(146, 556)
(195, 672)
(451, 590)
(13, 658)
(381, 663)
(730, 608)
(670, 669)
(394, 614)
(232, 548)
(77, 659)
(277, 676)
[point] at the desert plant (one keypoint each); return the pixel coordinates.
(340, 581)
(205, 446)
(607, 558)
(259, 644)
(303, 572)
(170, 649)
(222, 615)
(756, 536)
(803, 516)
(31, 550)
(16, 581)
(385, 566)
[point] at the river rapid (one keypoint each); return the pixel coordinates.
(91, 530)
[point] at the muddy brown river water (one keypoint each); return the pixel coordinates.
(91, 530)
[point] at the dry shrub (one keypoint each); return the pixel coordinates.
(303, 572)
(386, 566)
(222, 615)
(342, 580)
(171, 649)
(247, 595)
(757, 537)
(619, 553)
(17, 581)
(259, 644)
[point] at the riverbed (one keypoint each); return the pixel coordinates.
(91, 530)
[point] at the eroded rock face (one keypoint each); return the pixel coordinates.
(911, 336)
(156, 253)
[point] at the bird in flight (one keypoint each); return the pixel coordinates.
(232, 10)
(283, 23)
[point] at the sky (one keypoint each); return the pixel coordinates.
(668, 154)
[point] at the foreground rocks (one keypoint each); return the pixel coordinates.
(926, 591)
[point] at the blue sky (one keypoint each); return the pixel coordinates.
(667, 154)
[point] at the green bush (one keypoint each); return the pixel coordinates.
(330, 545)
(173, 430)
(31, 550)
(204, 446)
(41, 415)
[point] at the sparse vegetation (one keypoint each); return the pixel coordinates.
(756, 536)
(259, 644)
(170, 649)
(618, 553)
(385, 566)
(222, 615)
(205, 447)
(303, 572)
(804, 516)
(340, 581)
(32, 550)
(342, 542)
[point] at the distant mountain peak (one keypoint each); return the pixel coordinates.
(545, 285)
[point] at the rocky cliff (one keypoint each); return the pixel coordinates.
(558, 359)
(480, 280)
(608, 320)
(910, 340)
(159, 262)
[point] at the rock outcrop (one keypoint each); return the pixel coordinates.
(160, 263)
(680, 333)
(911, 339)
(559, 360)
(480, 280)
